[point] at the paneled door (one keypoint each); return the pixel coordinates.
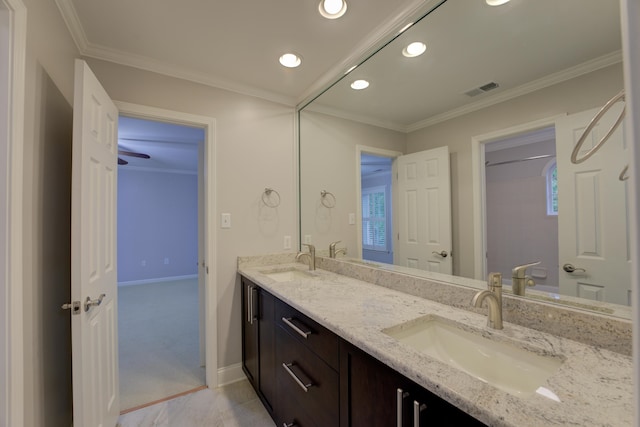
(422, 196)
(93, 236)
(593, 211)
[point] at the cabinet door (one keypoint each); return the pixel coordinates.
(250, 351)
(372, 394)
(267, 348)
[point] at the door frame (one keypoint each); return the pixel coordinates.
(209, 270)
(479, 185)
(364, 149)
(11, 283)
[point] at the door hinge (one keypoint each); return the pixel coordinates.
(73, 306)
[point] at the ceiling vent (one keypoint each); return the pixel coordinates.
(482, 89)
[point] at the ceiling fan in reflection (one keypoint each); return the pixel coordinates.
(123, 152)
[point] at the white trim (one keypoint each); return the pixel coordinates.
(479, 186)
(157, 280)
(211, 293)
(158, 170)
(230, 374)
(11, 286)
(630, 19)
(363, 149)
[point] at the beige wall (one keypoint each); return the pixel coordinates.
(328, 162)
(254, 149)
(579, 94)
(47, 181)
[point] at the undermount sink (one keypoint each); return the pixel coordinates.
(505, 366)
(287, 274)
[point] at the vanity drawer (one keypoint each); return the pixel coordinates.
(316, 337)
(298, 368)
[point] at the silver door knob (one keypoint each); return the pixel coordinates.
(443, 254)
(93, 302)
(569, 268)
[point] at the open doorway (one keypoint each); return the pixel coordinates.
(160, 315)
(377, 223)
(521, 205)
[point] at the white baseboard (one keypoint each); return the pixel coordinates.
(159, 279)
(230, 374)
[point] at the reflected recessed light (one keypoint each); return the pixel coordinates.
(360, 84)
(290, 60)
(405, 28)
(350, 70)
(332, 9)
(414, 49)
(497, 2)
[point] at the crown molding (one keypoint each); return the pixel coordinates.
(373, 42)
(550, 80)
(91, 50)
(334, 112)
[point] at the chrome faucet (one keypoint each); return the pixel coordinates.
(519, 280)
(494, 299)
(311, 255)
(333, 252)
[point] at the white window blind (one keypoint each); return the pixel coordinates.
(374, 219)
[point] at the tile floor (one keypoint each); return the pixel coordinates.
(234, 405)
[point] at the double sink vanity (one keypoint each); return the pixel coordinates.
(351, 344)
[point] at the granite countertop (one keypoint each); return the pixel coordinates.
(592, 387)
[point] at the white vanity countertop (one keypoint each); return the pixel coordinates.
(593, 387)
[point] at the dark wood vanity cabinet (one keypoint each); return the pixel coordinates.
(373, 394)
(258, 341)
(307, 376)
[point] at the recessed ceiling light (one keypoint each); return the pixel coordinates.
(497, 2)
(290, 60)
(332, 9)
(414, 49)
(359, 84)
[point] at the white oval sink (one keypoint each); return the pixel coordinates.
(508, 367)
(287, 275)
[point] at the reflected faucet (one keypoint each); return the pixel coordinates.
(519, 280)
(311, 255)
(494, 299)
(333, 252)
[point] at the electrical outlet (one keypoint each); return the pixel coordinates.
(307, 239)
(287, 242)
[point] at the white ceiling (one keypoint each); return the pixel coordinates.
(231, 44)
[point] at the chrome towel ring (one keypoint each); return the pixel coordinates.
(592, 123)
(327, 199)
(269, 199)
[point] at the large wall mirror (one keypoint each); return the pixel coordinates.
(456, 161)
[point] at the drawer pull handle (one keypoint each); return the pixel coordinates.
(417, 409)
(303, 334)
(400, 396)
(305, 387)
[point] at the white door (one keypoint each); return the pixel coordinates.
(93, 244)
(423, 218)
(593, 215)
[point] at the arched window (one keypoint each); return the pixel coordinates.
(551, 173)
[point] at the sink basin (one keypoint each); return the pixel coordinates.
(505, 366)
(287, 275)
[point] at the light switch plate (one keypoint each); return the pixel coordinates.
(287, 242)
(352, 219)
(225, 220)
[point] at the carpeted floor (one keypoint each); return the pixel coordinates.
(158, 341)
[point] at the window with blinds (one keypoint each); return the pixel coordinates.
(374, 219)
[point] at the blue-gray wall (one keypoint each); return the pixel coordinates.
(157, 219)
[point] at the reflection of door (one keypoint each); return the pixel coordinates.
(593, 216)
(423, 218)
(94, 272)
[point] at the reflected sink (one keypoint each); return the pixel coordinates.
(288, 274)
(505, 366)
